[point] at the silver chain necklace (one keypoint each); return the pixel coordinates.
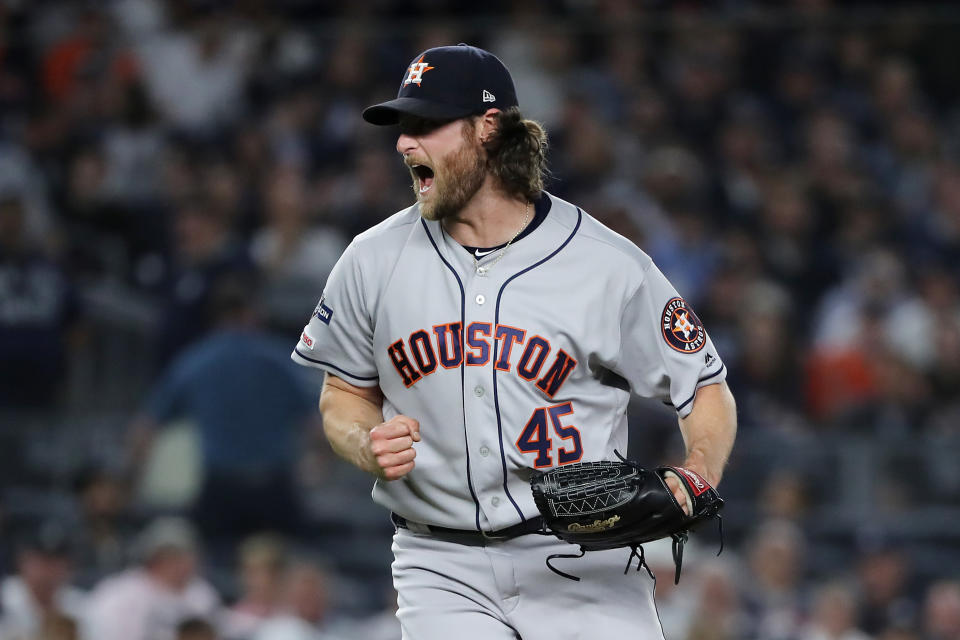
(482, 270)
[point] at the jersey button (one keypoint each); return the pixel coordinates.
(478, 391)
(495, 501)
(481, 299)
(484, 451)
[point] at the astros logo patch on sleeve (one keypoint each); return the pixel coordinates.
(682, 328)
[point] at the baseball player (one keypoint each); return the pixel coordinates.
(488, 330)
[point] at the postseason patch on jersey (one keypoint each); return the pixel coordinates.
(307, 339)
(323, 313)
(682, 328)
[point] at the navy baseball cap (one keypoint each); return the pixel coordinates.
(446, 83)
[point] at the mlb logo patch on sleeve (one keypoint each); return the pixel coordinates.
(323, 313)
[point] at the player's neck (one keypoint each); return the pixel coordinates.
(491, 218)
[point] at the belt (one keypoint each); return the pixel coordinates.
(470, 536)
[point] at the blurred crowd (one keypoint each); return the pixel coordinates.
(796, 175)
(762, 592)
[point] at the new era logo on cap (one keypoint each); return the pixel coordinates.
(462, 81)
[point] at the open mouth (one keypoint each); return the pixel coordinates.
(424, 176)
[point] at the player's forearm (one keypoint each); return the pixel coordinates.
(347, 421)
(709, 431)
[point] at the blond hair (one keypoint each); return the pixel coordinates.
(517, 154)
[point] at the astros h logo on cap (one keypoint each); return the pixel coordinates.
(415, 72)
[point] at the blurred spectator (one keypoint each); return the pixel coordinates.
(38, 599)
(884, 580)
(359, 199)
(785, 496)
(104, 525)
(23, 178)
(539, 63)
(768, 359)
(834, 615)
(252, 409)
(942, 611)
(774, 588)
(132, 149)
(195, 76)
(38, 316)
(303, 610)
(718, 611)
(912, 328)
(262, 564)
(149, 600)
(852, 374)
(205, 250)
(294, 255)
(196, 629)
(88, 51)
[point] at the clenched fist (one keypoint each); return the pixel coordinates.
(391, 444)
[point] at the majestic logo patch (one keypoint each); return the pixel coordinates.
(323, 313)
(682, 328)
(415, 72)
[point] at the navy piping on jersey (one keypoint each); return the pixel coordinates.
(496, 397)
(333, 366)
(703, 379)
(463, 332)
(653, 596)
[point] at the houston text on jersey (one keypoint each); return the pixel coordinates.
(426, 351)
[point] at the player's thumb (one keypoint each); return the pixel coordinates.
(414, 430)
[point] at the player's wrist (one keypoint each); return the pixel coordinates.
(365, 458)
(699, 467)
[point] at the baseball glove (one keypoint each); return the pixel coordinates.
(612, 504)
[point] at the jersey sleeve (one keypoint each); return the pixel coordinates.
(665, 351)
(339, 336)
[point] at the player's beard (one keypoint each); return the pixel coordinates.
(456, 179)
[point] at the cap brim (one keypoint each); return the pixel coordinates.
(389, 112)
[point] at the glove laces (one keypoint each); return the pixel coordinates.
(564, 574)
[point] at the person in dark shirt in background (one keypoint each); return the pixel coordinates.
(205, 251)
(38, 315)
(251, 407)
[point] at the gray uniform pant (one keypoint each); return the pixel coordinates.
(503, 591)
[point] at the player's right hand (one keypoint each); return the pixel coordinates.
(391, 444)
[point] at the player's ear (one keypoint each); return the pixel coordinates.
(487, 124)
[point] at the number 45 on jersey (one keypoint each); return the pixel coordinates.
(535, 437)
